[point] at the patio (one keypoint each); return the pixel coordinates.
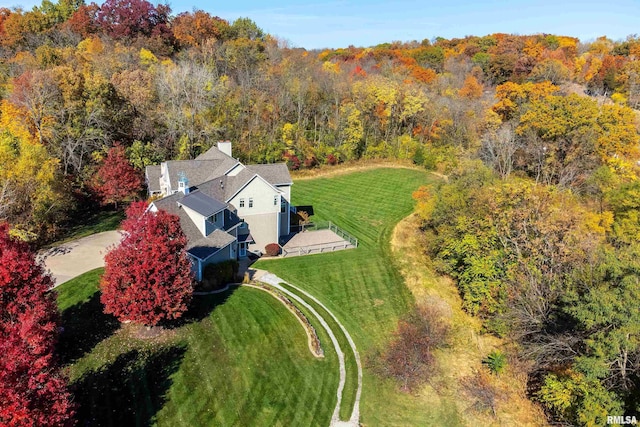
(315, 242)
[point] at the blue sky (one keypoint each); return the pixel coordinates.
(335, 23)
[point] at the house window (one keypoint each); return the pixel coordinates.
(242, 203)
(275, 200)
(215, 218)
(250, 202)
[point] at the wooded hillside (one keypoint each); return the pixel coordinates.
(77, 78)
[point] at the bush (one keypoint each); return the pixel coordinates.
(496, 361)
(219, 274)
(480, 389)
(409, 358)
(310, 162)
(272, 249)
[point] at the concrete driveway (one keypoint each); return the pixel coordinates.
(79, 256)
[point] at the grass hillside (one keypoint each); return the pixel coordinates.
(240, 358)
(363, 287)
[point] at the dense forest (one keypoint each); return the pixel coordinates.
(538, 221)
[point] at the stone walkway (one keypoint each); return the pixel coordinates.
(79, 256)
(275, 281)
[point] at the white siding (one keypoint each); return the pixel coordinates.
(262, 195)
(197, 219)
(286, 191)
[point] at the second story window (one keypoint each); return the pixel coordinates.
(215, 218)
(250, 202)
(242, 203)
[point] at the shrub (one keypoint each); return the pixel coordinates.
(310, 162)
(483, 393)
(496, 361)
(293, 162)
(409, 358)
(272, 249)
(332, 160)
(219, 274)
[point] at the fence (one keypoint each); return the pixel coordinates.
(326, 225)
(348, 241)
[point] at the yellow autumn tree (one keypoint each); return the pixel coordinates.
(27, 176)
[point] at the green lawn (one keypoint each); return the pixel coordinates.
(362, 287)
(240, 358)
(91, 224)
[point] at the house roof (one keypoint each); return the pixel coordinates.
(224, 187)
(273, 173)
(207, 246)
(213, 153)
(202, 203)
(152, 174)
(197, 171)
(170, 205)
(198, 245)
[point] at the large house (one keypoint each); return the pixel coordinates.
(223, 205)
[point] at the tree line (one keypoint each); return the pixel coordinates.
(78, 78)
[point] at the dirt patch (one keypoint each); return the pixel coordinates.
(463, 358)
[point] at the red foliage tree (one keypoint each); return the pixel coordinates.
(116, 180)
(32, 390)
(148, 276)
(83, 20)
(132, 18)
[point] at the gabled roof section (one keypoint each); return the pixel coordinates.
(274, 173)
(201, 203)
(225, 187)
(170, 205)
(152, 174)
(196, 171)
(207, 246)
(213, 153)
(199, 170)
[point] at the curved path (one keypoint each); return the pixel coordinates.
(354, 420)
(79, 256)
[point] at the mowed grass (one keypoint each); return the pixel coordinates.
(91, 224)
(239, 358)
(363, 287)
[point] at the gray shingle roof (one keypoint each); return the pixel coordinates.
(170, 205)
(198, 245)
(212, 154)
(198, 171)
(211, 244)
(202, 203)
(152, 175)
(274, 173)
(224, 187)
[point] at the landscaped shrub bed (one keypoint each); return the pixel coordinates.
(217, 275)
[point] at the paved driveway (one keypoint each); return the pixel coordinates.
(79, 256)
